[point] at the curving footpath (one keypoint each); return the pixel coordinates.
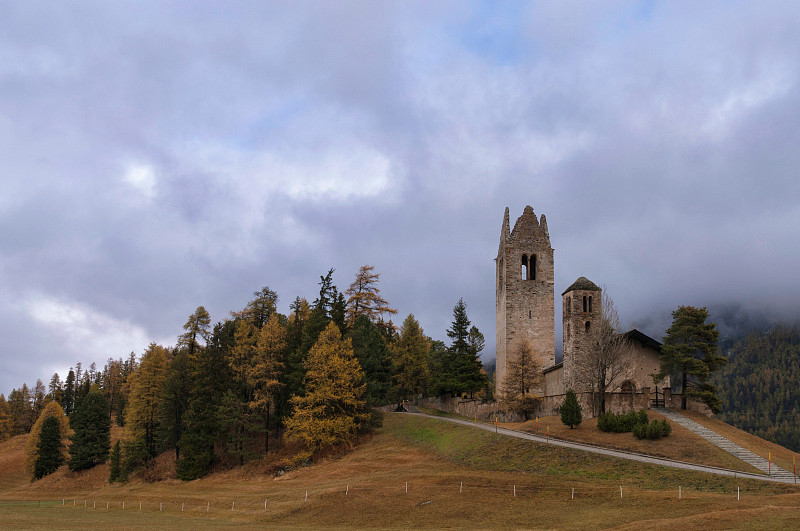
(622, 454)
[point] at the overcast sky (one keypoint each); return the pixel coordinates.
(158, 156)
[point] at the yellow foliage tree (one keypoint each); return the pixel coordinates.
(52, 409)
(142, 410)
(6, 423)
(266, 367)
(364, 297)
(332, 410)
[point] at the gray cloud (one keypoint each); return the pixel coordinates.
(163, 156)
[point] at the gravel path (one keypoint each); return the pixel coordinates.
(643, 458)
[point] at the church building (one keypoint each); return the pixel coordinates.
(525, 311)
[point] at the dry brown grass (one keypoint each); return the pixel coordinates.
(681, 445)
(366, 489)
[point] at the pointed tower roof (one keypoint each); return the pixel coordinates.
(505, 233)
(582, 283)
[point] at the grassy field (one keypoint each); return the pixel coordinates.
(455, 476)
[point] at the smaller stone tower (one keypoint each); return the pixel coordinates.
(525, 297)
(581, 316)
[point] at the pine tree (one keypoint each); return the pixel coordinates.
(332, 410)
(91, 423)
(690, 350)
(69, 392)
(411, 355)
(49, 449)
(53, 409)
(174, 401)
(114, 472)
(373, 356)
(571, 414)
(462, 367)
(211, 378)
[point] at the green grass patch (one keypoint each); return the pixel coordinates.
(484, 450)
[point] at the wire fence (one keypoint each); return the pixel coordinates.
(416, 492)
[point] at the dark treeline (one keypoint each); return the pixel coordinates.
(231, 391)
(758, 387)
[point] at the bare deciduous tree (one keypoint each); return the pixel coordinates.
(606, 365)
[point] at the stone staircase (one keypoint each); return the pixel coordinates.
(721, 442)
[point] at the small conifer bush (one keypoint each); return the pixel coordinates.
(571, 414)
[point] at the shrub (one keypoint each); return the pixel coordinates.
(653, 431)
(622, 423)
(571, 414)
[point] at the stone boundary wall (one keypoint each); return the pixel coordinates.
(486, 411)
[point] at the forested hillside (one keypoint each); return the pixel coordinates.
(759, 386)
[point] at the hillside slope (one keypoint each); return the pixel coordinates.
(758, 387)
(422, 473)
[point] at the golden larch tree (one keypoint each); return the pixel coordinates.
(364, 297)
(332, 411)
(52, 409)
(142, 412)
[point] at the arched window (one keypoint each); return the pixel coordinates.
(569, 305)
(529, 314)
(567, 331)
(584, 303)
(590, 303)
(532, 271)
(587, 325)
(627, 386)
(524, 267)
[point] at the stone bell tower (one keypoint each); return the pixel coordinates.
(525, 298)
(582, 315)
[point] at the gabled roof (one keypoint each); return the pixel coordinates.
(644, 339)
(582, 283)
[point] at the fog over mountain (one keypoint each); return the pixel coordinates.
(160, 156)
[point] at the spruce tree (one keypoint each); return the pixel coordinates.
(91, 422)
(571, 414)
(50, 457)
(370, 349)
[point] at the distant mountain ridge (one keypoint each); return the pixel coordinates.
(759, 386)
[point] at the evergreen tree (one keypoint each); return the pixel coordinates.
(373, 356)
(53, 409)
(571, 414)
(49, 445)
(174, 401)
(91, 423)
(462, 367)
(690, 351)
(115, 470)
(211, 378)
(69, 392)
(332, 410)
(411, 355)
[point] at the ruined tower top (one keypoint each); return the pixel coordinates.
(525, 297)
